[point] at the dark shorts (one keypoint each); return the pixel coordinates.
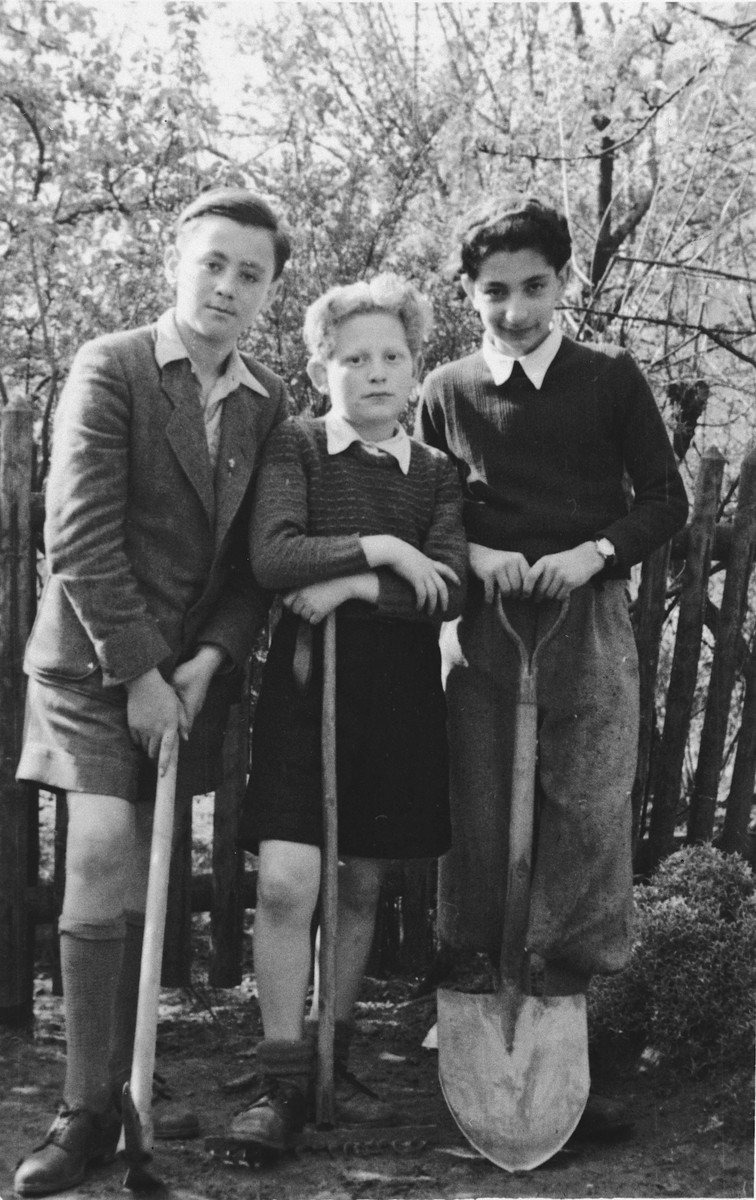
(78, 740)
(391, 749)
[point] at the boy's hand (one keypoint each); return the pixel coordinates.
(554, 576)
(426, 575)
(154, 713)
(191, 679)
(314, 602)
(502, 570)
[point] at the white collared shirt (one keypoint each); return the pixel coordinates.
(170, 348)
(340, 434)
(535, 365)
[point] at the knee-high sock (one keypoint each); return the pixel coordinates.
(90, 960)
(122, 1044)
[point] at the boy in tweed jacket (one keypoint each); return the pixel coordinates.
(148, 610)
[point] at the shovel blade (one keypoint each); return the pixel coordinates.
(514, 1072)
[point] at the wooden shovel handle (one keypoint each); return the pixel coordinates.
(324, 1096)
(143, 1061)
(513, 962)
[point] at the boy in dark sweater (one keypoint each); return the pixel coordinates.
(350, 514)
(544, 432)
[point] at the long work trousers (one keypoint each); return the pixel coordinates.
(587, 692)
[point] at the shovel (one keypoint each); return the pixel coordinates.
(514, 1067)
(325, 1102)
(137, 1136)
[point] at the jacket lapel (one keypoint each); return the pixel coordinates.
(186, 432)
(236, 457)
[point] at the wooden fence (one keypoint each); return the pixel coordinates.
(404, 936)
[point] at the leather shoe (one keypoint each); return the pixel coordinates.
(176, 1123)
(179, 1123)
(275, 1118)
(76, 1140)
(603, 1120)
(356, 1103)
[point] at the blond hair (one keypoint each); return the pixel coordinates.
(386, 293)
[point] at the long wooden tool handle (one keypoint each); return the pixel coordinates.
(325, 1092)
(143, 1062)
(513, 962)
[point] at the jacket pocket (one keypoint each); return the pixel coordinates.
(58, 646)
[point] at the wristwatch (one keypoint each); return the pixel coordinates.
(606, 550)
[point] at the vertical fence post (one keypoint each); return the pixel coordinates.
(60, 839)
(740, 799)
(418, 892)
(723, 669)
(684, 673)
(16, 601)
(652, 598)
(227, 911)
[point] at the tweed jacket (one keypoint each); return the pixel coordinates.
(146, 551)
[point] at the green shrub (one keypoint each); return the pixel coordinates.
(689, 990)
(707, 879)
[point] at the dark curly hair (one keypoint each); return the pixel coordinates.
(501, 225)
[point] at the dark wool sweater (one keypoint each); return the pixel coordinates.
(311, 508)
(544, 470)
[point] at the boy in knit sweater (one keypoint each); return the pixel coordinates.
(350, 514)
(544, 433)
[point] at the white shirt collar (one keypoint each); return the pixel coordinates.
(169, 348)
(535, 365)
(340, 434)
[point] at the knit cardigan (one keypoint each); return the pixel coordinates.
(311, 508)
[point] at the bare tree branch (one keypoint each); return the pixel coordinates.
(686, 267)
(536, 156)
(39, 174)
(637, 318)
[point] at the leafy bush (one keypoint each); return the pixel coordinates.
(689, 990)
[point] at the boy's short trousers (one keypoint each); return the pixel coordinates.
(392, 759)
(79, 741)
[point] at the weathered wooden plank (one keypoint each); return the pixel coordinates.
(723, 670)
(652, 597)
(227, 907)
(418, 889)
(740, 801)
(59, 882)
(16, 602)
(684, 672)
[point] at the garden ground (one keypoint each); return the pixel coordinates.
(688, 1140)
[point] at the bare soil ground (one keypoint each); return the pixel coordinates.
(686, 1141)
